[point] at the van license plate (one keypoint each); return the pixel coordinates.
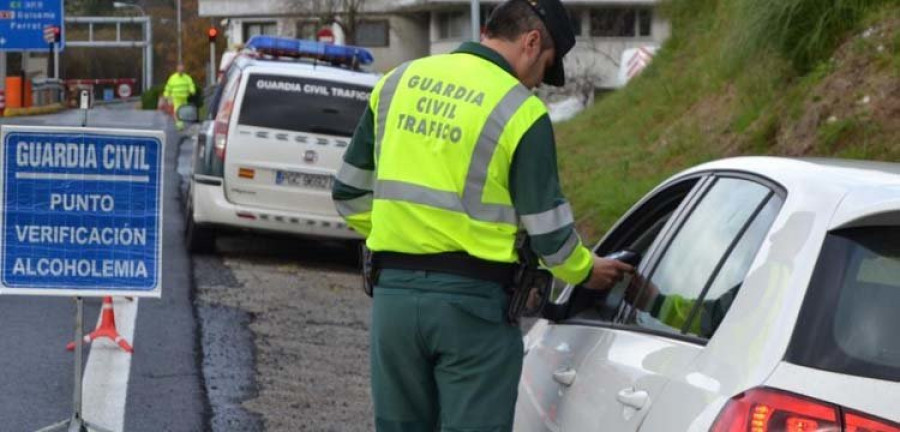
(312, 181)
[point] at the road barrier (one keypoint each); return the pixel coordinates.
(107, 89)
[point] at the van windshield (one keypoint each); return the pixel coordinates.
(303, 104)
(849, 319)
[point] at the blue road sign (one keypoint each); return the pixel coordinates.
(81, 211)
(22, 24)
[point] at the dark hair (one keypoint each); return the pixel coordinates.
(514, 18)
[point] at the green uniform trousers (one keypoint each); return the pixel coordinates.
(443, 356)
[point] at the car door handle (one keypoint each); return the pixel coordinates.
(636, 399)
(564, 376)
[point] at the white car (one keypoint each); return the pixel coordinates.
(279, 123)
(767, 299)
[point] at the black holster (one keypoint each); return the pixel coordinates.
(369, 270)
(530, 289)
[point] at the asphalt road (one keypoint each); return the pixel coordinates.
(284, 332)
(165, 385)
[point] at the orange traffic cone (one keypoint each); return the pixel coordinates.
(106, 328)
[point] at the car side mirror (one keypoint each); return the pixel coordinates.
(188, 113)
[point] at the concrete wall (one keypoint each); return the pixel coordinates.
(408, 39)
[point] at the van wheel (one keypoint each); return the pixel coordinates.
(199, 239)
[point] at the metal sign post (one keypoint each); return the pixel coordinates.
(212, 64)
(476, 20)
(77, 422)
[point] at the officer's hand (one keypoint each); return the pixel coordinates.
(606, 273)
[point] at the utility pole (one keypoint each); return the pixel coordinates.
(178, 6)
(476, 21)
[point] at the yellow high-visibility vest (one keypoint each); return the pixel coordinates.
(444, 145)
(180, 87)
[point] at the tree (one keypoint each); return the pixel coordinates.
(344, 13)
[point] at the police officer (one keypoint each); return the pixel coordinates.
(452, 156)
(178, 89)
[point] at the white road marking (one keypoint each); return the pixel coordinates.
(105, 384)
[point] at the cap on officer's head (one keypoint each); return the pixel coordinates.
(559, 25)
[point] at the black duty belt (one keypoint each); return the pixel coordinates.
(456, 263)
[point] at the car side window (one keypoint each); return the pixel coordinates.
(696, 255)
(728, 281)
(636, 233)
(219, 90)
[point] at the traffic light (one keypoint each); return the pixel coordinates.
(57, 35)
(212, 32)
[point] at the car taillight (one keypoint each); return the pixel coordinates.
(855, 422)
(220, 137)
(765, 410)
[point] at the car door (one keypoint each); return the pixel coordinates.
(554, 349)
(623, 348)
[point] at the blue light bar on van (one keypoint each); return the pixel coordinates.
(288, 47)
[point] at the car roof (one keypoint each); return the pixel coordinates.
(307, 68)
(863, 191)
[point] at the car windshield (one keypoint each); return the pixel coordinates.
(849, 319)
(303, 104)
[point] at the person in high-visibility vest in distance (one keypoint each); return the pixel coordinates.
(453, 155)
(179, 88)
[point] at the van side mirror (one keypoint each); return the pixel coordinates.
(188, 113)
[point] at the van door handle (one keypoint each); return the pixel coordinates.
(633, 398)
(564, 376)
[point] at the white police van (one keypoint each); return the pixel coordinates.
(279, 122)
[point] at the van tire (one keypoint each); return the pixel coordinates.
(199, 239)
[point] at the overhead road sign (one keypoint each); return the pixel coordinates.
(22, 24)
(81, 211)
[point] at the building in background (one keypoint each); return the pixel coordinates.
(400, 30)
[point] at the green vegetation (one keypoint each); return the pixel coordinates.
(150, 98)
(739, 77)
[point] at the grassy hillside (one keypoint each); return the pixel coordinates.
(740, 77)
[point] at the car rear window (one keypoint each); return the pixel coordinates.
(303, 104)
(851, 314)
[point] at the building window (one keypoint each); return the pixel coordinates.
(575, 17)
(452, 25)
(307, 30)
(259, 28)
(372, 33)
(645, 22)
(621, 22)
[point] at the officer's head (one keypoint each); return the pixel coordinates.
(533, 35)
(180, 68)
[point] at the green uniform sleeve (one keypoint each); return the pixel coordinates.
(352, 190)
(545, 213)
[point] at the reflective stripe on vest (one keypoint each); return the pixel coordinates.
(356, 177)
(548, 221)
(470, 203)
(354, 206)
(384, 104)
